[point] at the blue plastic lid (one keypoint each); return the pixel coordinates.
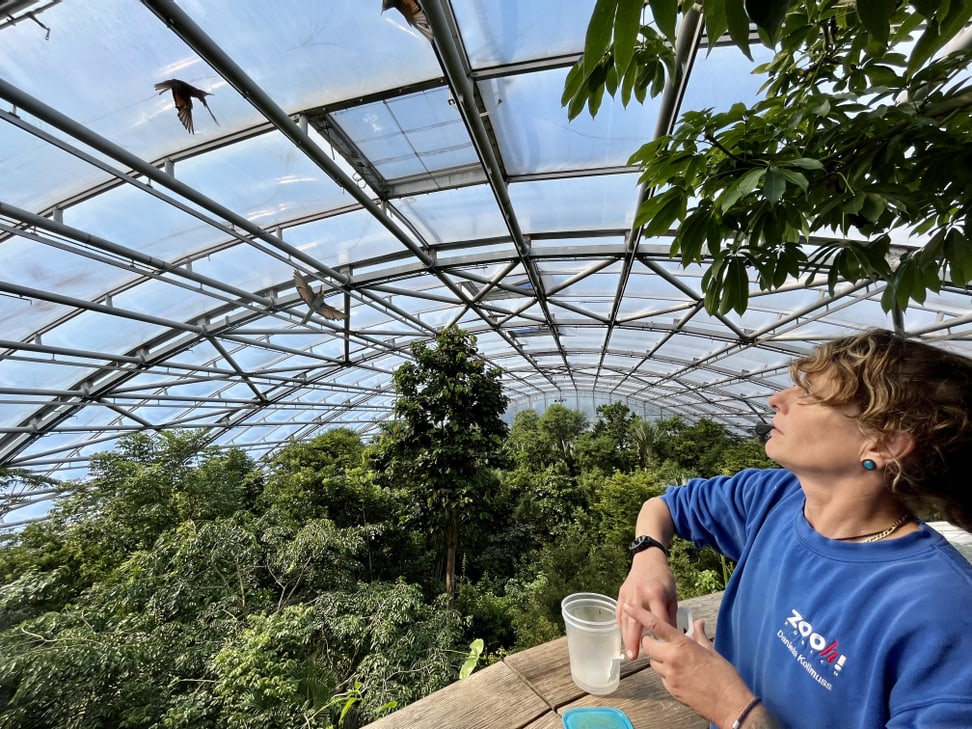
(596, 717)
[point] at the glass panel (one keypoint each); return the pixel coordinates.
(548, 142)
(585, 203)
(499, 33)
(270, 184)
(410, 135)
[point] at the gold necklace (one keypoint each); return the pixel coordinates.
(877, 536)
(871, 536)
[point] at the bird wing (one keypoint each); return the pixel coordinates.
(315, 302)
(303, 288)
(182, 94)
(183, 105)
(329, 312)
(421, 23)
(413, 13)
(181, 98)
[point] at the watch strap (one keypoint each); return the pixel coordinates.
(640, 544)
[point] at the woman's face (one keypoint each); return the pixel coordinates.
(810, 437)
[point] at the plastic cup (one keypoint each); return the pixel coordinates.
(593, 641)
(685, 621)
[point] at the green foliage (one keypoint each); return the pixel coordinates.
(697, 571)
(475, 651)
(175, 590)
(489, 613)
(249, 618)
(607, 447)
(619, 498)
(740, 454)
(861, 135)
(317, 479)
(643, 436)
(547, 499)
(561, 427)
(696, 448)
(527, 444)
(577, 561)
(448, 434)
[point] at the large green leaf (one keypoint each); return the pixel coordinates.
(745, 185)
(716, 22)
(958, 253)
(875, 15)
(692, 235)
(736, 287)
(794, 178)
(738, 24)
(575, 81)
(774, 185)
(626, 24)
(768, 15)
(805, 163)
(598, 38)
(939, 29)
(665, 12)
(658, 213)
(475, 651)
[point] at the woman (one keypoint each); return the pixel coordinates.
(844, 609)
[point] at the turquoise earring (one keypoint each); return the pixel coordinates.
(868, 464)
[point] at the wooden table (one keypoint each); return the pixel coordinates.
(530, 689)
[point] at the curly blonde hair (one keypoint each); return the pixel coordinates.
(904, 386)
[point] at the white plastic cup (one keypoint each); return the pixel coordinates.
(593, 641)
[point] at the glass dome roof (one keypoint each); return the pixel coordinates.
(147, 272)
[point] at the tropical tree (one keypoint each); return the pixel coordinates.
(696, 447)
(608, 445)
(644, 435)
(323, 477)
(449, 431)
(527, 443)
(190, 607)
(745, 453)
(561, 427)
(861, 140)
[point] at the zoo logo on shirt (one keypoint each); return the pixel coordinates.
(826, 650)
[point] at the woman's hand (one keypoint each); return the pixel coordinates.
(650, 585)
(690, 668)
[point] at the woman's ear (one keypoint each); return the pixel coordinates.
(892, 448)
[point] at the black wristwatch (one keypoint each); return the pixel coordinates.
(640, 544)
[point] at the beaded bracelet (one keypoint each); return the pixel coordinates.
(737, 724)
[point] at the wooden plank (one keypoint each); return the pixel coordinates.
(547, 667)
(706, 608)
(648, 705)
(550, 720)
(530, 689)
(492, 698)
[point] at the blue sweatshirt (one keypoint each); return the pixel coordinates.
(834, 634)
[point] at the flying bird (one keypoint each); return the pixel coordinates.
(413, 13)
(315, 302)
(182, 94)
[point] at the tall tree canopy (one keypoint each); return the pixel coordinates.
(861, 139)
(162, 594)
(449, 432)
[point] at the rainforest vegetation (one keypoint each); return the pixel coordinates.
(185, 586)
